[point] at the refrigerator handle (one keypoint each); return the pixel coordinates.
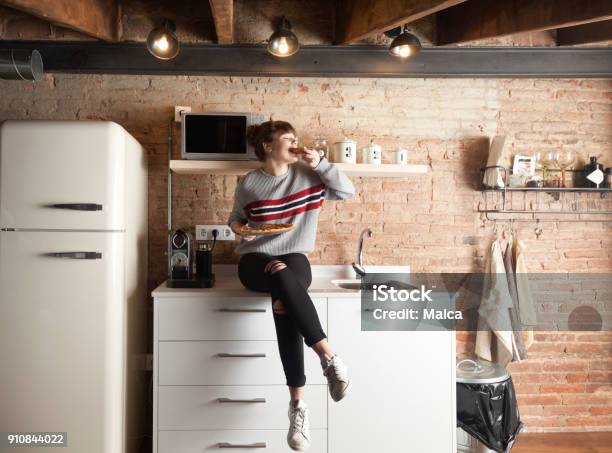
(77, 206)
(75, 255)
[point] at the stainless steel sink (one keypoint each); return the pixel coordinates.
(355, 284)
(347, 283)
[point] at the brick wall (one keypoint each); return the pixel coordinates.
(426, 221)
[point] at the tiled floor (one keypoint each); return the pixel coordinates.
(600, 442)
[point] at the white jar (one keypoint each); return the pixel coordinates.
(400, 156)
(346, 151)
(372, 154)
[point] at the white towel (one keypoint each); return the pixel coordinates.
(520, 351)
(527, 311)
(493, 339)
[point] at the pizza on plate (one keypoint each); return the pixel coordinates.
(267, 228)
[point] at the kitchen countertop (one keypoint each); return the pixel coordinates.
(227, 282)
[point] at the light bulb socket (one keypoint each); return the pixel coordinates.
(284, 24)
(170, 25)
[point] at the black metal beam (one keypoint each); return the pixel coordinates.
(326, 61)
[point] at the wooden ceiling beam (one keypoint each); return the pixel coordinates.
(585, 34)
(223, 15)
(357, 19)
(479, 19)
(97, 18)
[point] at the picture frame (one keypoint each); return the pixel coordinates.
(524, 165)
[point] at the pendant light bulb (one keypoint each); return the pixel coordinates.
(283, 45)
(405, 45)
(161, 44)
(283, 42)
(162, 41)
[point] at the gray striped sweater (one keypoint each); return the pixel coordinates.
(295, 197)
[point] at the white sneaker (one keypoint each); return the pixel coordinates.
(336, 373)
(298, 436)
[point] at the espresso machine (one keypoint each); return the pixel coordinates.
(181, 272)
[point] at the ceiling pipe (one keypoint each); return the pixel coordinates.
(20, 64)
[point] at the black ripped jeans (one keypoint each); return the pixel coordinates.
(296, 318)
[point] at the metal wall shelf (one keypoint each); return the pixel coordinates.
(551, 189)
(546, 204)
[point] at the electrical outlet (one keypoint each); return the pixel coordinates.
(179, 110)
(204, 233)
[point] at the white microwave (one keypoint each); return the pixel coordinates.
(217, 136)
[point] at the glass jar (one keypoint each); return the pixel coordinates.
(320, 145)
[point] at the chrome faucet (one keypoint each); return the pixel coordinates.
(358, 266)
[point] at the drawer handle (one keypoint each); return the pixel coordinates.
(243, 310)
(227, 354)
(228, 445)
(233, 400)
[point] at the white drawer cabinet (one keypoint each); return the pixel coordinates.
(402, 398)
(235, 407)
(222, 318)
(228, 363)
(216, 361)
(235, 441)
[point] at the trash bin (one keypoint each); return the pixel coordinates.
(488, 419)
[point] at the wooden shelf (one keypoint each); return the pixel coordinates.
(212, 167)
(225, 167)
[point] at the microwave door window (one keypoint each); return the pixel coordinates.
(235, 134)
(215, 134)
(221, 140)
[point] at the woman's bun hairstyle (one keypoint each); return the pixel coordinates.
(252, 134)
(258, 134)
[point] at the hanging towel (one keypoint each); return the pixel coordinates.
(519, 350)
(494, 339)
(527, 311)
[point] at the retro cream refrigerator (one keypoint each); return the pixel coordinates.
(73, 282)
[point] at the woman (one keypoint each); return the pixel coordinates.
(285, 190)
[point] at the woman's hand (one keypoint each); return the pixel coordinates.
(237, 228)
(311, 157)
